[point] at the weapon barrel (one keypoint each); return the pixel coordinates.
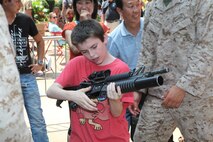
(139, 83)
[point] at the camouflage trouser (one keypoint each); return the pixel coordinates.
(194, 118)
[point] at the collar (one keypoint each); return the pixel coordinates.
(160, 4)
(125, 32)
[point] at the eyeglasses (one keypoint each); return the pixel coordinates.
(54, 17)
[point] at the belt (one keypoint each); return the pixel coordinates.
(112, 21)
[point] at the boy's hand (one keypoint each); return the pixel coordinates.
(114, 96)
(112, 93)
(83, 100)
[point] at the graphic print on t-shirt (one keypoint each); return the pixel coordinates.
(20, 45)
(89, 117)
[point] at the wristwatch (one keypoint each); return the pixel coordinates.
(40, 62)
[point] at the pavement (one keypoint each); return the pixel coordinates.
(57, 119)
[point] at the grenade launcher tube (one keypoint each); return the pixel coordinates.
(138, 83)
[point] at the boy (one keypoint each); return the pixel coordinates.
(93, 121)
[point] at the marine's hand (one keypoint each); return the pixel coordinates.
(83, 100)
(174, 97)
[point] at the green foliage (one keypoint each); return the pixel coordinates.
(40, 10)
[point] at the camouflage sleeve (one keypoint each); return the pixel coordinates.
(12, 123)
(147, 56)
(200, 67)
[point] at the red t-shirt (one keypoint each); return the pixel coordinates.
(70, 26)
(85, 124)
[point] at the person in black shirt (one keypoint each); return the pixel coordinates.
(110, 16)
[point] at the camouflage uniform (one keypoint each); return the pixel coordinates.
(12, 125)
(179, 36)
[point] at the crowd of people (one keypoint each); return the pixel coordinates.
(177, 35)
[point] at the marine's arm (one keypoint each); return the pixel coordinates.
(200, 66)
(200, 59)
(147, 56)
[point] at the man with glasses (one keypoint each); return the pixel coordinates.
(52, 25)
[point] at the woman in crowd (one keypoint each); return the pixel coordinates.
(83, 10)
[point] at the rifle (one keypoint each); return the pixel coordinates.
(128, 82)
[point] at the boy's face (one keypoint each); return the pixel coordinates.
(94, 50)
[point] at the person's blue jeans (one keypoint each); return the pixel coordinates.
(32, 104)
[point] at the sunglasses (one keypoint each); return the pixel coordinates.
(54, 17)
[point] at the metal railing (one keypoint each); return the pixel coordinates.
(52, 43)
